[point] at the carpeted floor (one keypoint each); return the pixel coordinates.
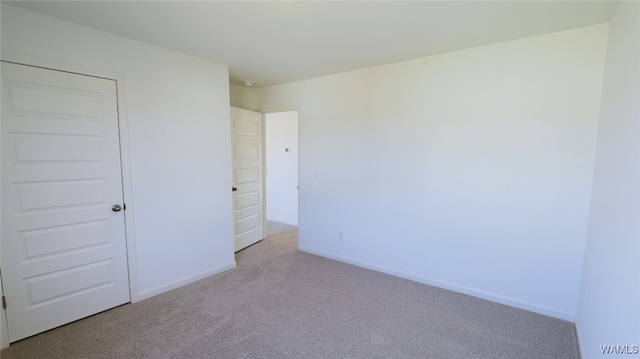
(276, 227)
(281, 303)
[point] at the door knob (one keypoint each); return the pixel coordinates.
(233, 189)
(116, 208)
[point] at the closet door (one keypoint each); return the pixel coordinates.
(63, 239)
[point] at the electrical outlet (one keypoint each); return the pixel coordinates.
(340, 235)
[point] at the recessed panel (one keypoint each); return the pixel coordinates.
(246, 151)
(246, 175)
(248, 223)
(48, 101)
(245, 127)
(64, 283)
(58, 148)
(248, 199)
(61, 193)
(43, 242)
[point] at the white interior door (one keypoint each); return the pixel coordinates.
(248, 211)
(63, 246)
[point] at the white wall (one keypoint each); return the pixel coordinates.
(243, 97)
(609, 310)
(177, 114)
(470, 170)
(281, 132)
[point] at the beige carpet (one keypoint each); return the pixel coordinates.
(281, 303)
(276, 227)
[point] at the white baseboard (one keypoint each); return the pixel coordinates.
(577, 331)
(179, 283)
(285, 221)
(449, 286)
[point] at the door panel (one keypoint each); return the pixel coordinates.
(63, 248)
(246, 137)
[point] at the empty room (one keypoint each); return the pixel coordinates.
(464, 179)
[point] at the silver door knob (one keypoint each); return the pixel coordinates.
(116, 208)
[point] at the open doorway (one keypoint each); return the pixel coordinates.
(281, 169)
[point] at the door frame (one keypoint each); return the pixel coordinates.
(125, 160)
(4, 330)
(264, 112)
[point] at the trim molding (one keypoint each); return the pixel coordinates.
(4, 329)
(301, 163)
(577, 333)
(449, 286)
(179, 283)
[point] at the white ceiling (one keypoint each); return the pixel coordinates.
(273, 42)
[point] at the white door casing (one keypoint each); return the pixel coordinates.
(248, 208)
(4, 337)
(63, 248)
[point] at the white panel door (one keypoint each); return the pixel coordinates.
(63, 245)
(246, 142)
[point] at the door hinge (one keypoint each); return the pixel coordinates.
(4, 302)
(124, 206)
